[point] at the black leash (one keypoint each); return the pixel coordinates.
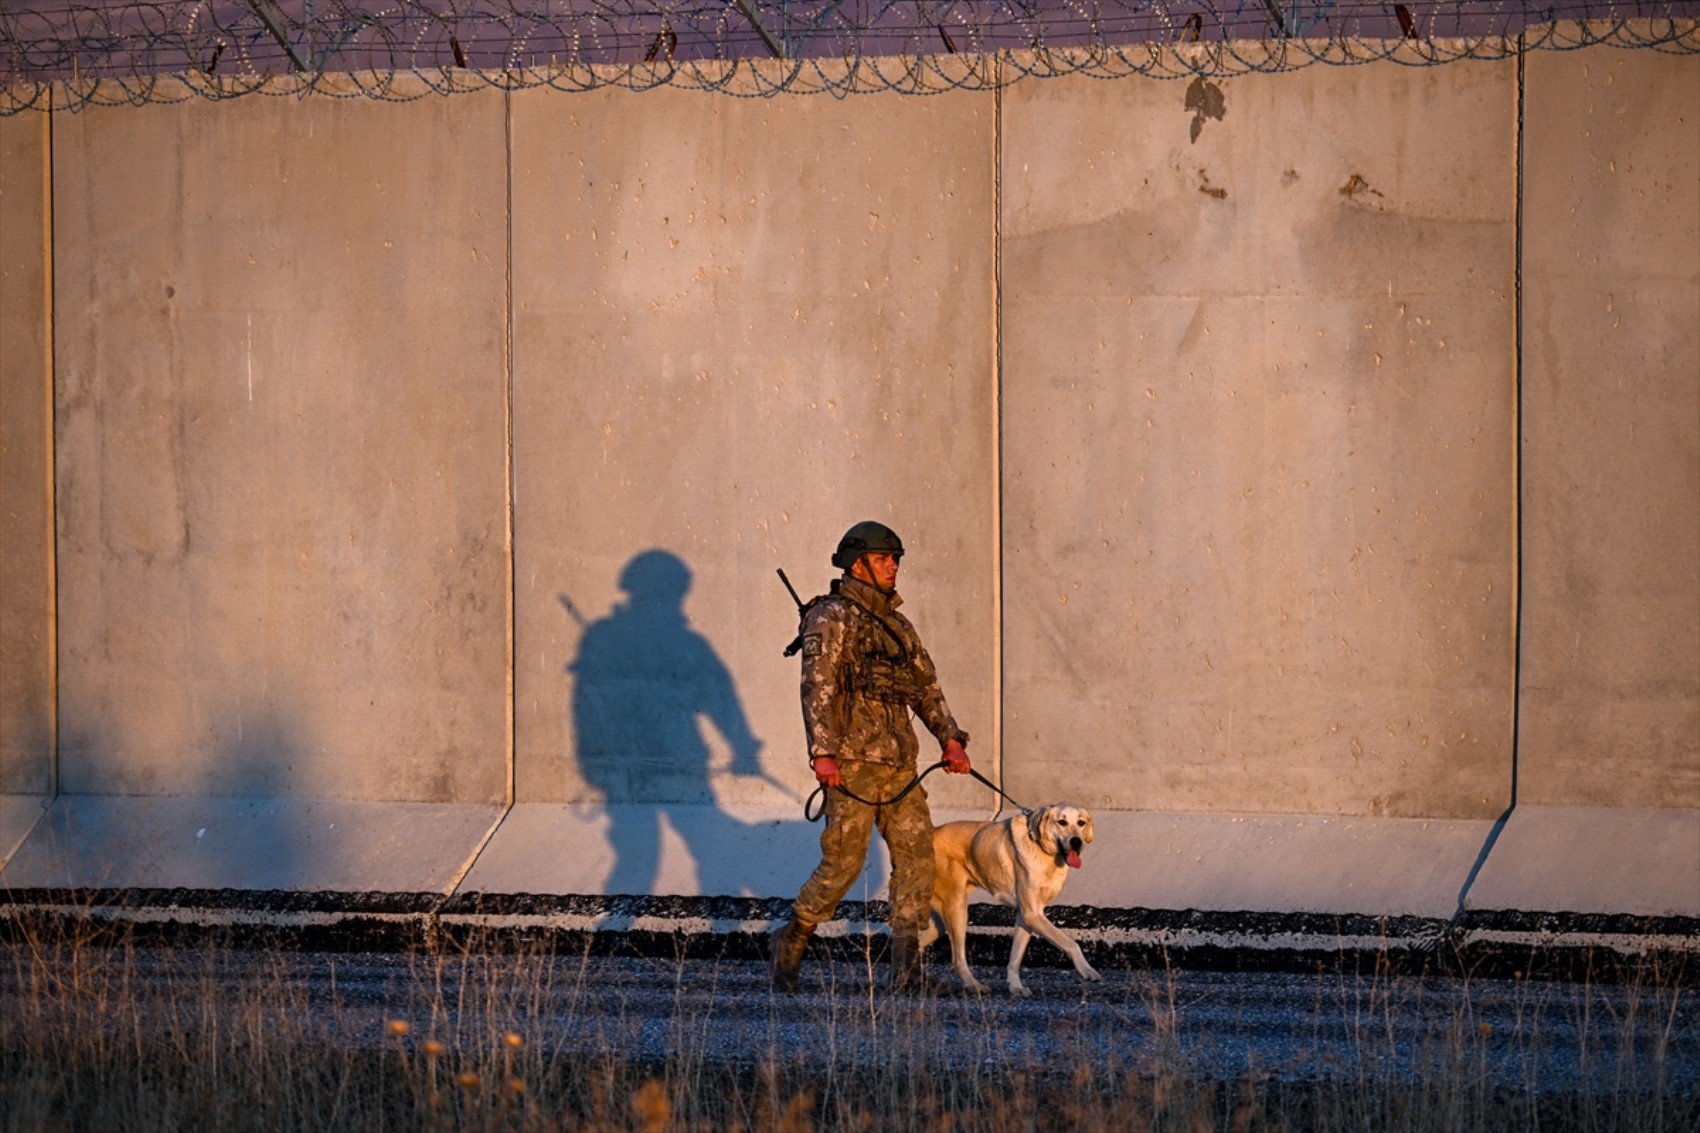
(813, 815)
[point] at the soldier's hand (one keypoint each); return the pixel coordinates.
(956, 759)
(826, 771)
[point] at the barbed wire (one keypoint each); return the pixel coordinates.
(71, 54)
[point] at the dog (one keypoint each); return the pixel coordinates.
(1022, 860)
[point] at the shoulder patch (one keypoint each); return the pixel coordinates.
(812, 645)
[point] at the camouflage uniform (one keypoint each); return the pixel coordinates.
(864, 669)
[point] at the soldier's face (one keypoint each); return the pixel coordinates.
(877, 568)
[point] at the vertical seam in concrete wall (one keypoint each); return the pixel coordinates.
(1486, 851)
(1517, 441)
(510, 583)
(997, 428)
(51, 424)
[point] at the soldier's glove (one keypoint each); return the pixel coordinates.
(956, 759)
(826, 771)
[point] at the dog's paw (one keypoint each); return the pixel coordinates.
(1018, 991)
(1090, 974)
(966, 976)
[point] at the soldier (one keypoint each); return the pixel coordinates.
(864, 671)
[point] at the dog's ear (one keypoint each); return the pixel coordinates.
(1087, 832)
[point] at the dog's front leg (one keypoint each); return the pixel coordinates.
(1042, 925)
(1016, 951)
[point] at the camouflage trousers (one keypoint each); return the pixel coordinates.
(908, 832)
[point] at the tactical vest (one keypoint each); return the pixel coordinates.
(881, 667)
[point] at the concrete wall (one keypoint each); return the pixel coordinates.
(739, 328)
(281, 464)
(1259, 480)
(26, 499)
(1611, 455)
(442, 453)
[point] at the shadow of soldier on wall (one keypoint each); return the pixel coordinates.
(643, 683)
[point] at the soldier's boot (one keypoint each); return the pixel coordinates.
(785, 953)
(908, 973)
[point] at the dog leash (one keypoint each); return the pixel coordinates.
(814, 815)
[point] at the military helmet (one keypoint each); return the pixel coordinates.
(865, 538)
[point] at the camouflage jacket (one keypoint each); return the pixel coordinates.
(864, 670)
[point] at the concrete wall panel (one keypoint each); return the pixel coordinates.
(722, 848)
(283, 844)
(1611, 467)
(1278, 863)
(281, 468)
(1218, 862)
(1550, 858)
(26, 523)
(740, 327)
(1258, 442)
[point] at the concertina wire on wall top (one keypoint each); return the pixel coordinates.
(72, 54)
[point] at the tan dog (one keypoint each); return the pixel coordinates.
(1021, 860)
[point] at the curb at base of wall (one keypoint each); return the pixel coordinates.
(1478, 944)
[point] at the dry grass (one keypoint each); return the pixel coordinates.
(110, 1036)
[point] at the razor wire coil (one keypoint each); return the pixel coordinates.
(74, 54)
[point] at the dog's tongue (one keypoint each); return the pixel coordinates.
(1073, 860)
